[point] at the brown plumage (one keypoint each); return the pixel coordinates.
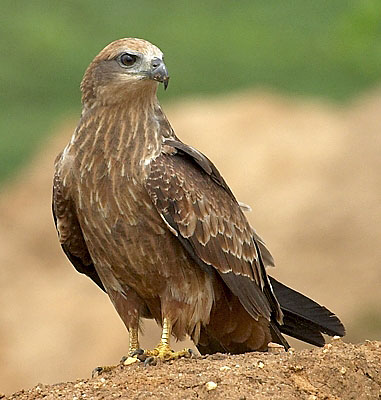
(151, 221)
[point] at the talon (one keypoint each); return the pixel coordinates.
(96, 372)
(191, 353)
(99, 370)
(150, 361)
(137, 352)
(163, 351)
(142, 357)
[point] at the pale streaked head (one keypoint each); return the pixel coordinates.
(123, 68)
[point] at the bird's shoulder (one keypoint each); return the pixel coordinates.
(194, 199)
(196, 159)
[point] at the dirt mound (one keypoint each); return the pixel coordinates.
(310, 171)
(338, 371)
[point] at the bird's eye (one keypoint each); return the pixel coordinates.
(128, 59)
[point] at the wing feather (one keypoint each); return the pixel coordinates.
(70, 233)
(198, 206)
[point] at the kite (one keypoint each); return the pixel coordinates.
(153, 223)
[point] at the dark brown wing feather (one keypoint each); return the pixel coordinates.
(200, 209)
(71, 237)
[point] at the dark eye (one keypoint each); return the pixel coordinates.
(128, 59)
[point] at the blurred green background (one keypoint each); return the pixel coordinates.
(326, 48)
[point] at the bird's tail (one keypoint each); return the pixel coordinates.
(304, 319)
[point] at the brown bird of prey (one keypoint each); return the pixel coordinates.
(152, 222)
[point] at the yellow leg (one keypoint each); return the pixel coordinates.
(166, 333)
(134, 340)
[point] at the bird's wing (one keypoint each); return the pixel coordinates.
(70, 233)
(201, 211)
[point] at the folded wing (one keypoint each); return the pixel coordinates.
(201, 211)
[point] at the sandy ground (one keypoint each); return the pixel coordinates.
(338, 371)
(310, 171)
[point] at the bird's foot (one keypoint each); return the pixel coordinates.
(131, 359)
(161, 353)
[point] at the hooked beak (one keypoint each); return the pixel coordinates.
(159, 72)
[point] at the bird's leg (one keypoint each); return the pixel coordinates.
(133, 340)
(163, 350)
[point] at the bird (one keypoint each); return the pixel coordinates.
(154, 224)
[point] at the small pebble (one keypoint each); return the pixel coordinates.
(225, 368)
(261, 364)
(130, 360)
(343, 370)
(327, 347)
(210, 385)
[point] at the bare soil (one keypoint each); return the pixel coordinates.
(338, 371)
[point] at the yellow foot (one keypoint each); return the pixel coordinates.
(162, 353)
(131, 359)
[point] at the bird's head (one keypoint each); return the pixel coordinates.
(125, 69)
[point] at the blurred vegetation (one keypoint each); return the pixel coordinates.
(326, 48)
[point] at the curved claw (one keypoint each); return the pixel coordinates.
(99, 370)
(150, 361)
(137, 352)
(192, 353)
(96, 371)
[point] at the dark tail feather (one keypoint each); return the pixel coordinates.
(277, 336)
(304, 319)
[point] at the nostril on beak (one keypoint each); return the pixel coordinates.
(156, 62)
(159, 71)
